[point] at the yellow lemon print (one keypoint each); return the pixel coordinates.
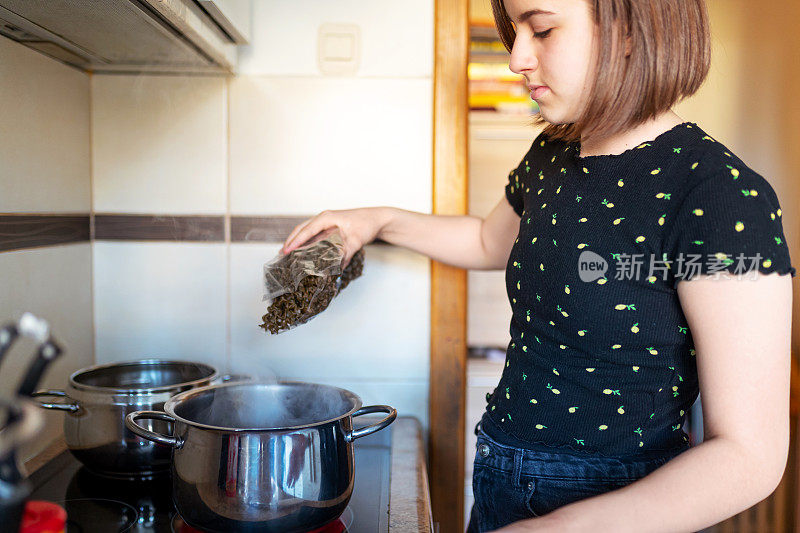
(556, 372)
(534, 240)
(661, 219)
(635, 368)
(563, 347)
(620, 307)
(651, 279)
(640, 238)
(602, 281)
(602, 427)
(681, 412)
(779, 211)
(533, 400)
(524, 348)
(518, 285)
(616, 347)
(767, 263)
(582, 246)
(739, 226)
(583, 219)
(590, 369)
(641, 444)
(694, 166)
(582, 332)
(721, 256)
(617, 221)
(753, 192)
(566, 289)
(573, 409)
(609, 204)
(735, 173)
(539, 426)
(586, 170)
(620, 183)
(556, 391)
(541, 143)
(656, 171)
(621, 410)
(698, 212)
(772, 216)
(541, 266)
(607, 391)
(635, 328)
(653, 351)
(660, 195)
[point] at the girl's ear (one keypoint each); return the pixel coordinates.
(628, 45)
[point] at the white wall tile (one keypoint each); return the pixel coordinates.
(44, 153)
(396, 37)
(54, 284)
(377, 328)
(160, 300)
(159, 144)
(488, 309)
(302, 145)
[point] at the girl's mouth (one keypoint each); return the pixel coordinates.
(538, 91)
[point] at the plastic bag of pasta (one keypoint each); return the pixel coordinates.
(301, 284)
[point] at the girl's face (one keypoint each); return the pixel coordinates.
(553, 48)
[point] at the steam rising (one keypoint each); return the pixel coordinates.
(264, 403)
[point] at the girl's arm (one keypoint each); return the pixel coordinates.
(462, 241)
(741, 329)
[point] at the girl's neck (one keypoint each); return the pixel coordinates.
(616, 144)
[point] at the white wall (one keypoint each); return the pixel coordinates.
(280, 138)
(44, 168)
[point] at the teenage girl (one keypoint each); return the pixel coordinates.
(617, 201)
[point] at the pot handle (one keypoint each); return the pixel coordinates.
(130, 423)
(369, 430)
(70, 407)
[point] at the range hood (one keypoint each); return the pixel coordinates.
(174, 36)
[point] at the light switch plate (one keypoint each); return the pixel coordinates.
(339, 49)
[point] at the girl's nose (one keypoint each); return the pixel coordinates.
(523, 56)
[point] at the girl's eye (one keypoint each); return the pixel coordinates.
(542, 34)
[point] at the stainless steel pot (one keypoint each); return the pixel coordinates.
(261, 457)
(97, 400)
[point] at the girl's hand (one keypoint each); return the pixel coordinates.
(358, 227)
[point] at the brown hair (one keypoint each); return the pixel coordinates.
(670, 55)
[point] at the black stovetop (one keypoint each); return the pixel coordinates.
(96, 504)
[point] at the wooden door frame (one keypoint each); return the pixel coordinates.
(449, 284)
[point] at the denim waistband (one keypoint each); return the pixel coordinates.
(557, 464)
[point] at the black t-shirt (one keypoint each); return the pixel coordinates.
(601, 359)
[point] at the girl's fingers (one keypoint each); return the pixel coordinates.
(308, 231)
(294, 233)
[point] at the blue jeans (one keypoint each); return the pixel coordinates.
(511, 484)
